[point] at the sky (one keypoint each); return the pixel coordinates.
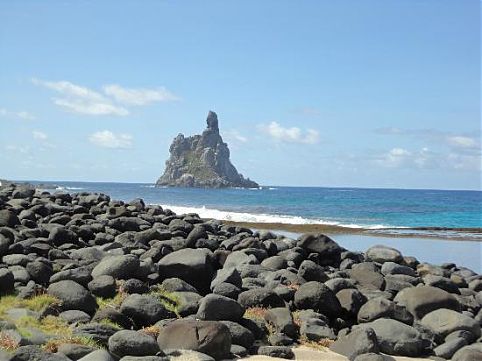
(348, 93)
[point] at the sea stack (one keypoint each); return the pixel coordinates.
(202, 161)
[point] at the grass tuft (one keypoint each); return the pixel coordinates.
(36, 303)
(53, 345)
(106, 321)
(50, 325)
(170, 300)
(113, 302)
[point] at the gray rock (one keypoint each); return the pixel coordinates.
(380, 307)
(448, 348)
(276, 351)
(310, 271)
(6, 281)
(351, 300)
(216, 307)
(132, 343)
(8, 218)
(282, 321)
(144, 310)
(227, 275)
(421, 300)
(98, 355)
(445, 321)
(98, 332)
(316, 296)
(74, 351)
(382, 254)
(210, 337)
(469, 353)
(73, 296)
(357, 342)
(195, 266)
(187, 355)
(34, 353)
(260, 297)
(327, 249)
(397, 338)
(395, 268)
(120, 267)
(240, 335)
(103, 286)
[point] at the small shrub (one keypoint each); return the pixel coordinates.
(256, 313)
(7, 342)
(319, 345)
(152, 331)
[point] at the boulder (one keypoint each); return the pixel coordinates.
(216, 307)
(73, 296)
(357, 342)
(397, 338)
(424, 299)
(210, 337)
(195, 266)
(282, 321)
(380, 307)
(444, 321)
(144, 310)
(119, 267)
(382, 254)
(260, 297)
(318, 297)
(327, 249)
(132, 343)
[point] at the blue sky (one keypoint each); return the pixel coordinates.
(309, 93)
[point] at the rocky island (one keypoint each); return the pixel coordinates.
(202, 161)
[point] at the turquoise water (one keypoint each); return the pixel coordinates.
(354, 207)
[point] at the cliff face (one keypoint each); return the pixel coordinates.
(202, 161)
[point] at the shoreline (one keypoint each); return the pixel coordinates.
(422, 232)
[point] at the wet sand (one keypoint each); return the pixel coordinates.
(455, 234)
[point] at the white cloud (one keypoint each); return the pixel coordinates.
(290, 135)
(18, 149)
(394, 158)
(81, 100)
(461, 141)
(234, 135)
(21, 114)
(107, 139)
(139, 96)
(113, 101)
(39, 135)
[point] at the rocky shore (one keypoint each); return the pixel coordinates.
(85, 277)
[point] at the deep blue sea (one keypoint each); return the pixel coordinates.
(352, 207)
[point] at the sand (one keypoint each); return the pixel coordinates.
(304, 353)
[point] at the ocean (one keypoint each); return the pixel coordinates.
(404, 211)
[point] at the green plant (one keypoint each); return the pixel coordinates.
(170, 300)
(52, 345)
